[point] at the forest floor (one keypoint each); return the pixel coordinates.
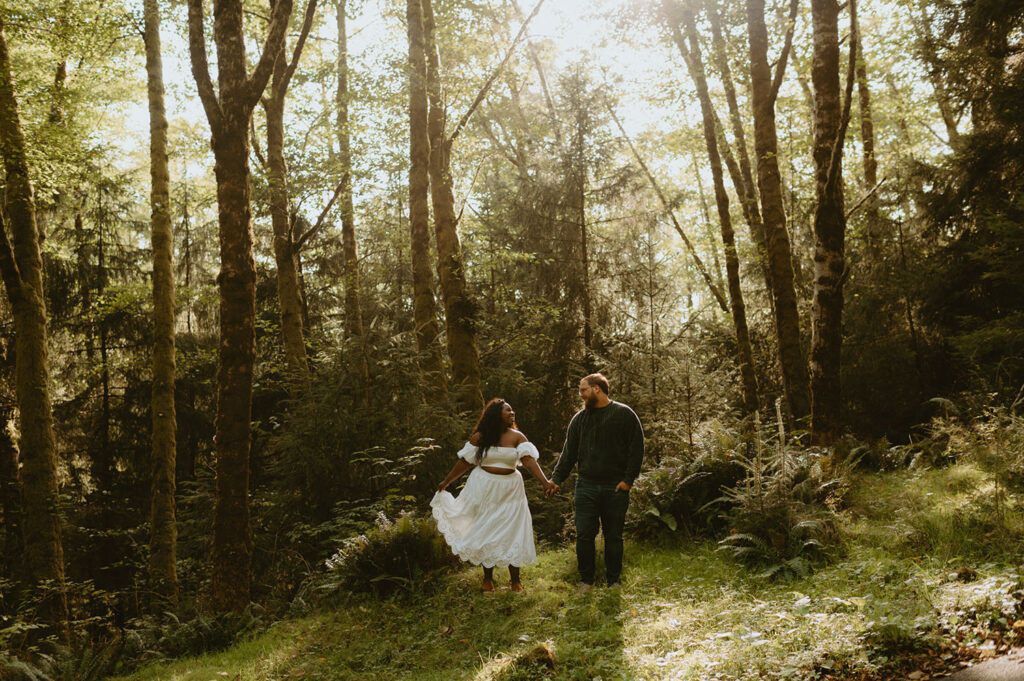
(929, 580)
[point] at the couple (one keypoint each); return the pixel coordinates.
(489, 523)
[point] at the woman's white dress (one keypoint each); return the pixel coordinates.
(489, 523)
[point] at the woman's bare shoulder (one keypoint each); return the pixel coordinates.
(474, 439)
(519, 437)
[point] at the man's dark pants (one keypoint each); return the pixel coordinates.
(598, 505)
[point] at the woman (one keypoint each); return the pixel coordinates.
(490, 524)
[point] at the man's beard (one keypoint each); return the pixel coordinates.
(590, 402)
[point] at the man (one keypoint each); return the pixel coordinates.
(605, 439)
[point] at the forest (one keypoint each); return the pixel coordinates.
(264, 262)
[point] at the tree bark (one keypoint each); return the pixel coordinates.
(743, 181)
(285, 257)
(769, 183)
(830, 122)
(745, 355)
(424, 305)
(229, 113)
(459, 307)
(11, 501)
(353, 311)
(867, 137)
(163, 526)
(22, 270)
(746, 189)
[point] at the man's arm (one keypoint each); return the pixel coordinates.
(570, 451)
(634, 449)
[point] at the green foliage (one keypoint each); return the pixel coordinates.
(401, 556)
(776, 514)
(168, 636)
(675, 493)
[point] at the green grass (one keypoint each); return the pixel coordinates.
(684, 612)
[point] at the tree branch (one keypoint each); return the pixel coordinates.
(311, 232)
(668, 209)
(255, 143)
(200, 65)
(307, 22)
(494, 76)
(865, 198)
(780, 67)
(272, 48)
(844, 121)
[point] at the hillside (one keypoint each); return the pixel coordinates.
(927, 579)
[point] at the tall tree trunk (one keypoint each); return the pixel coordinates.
(22, 269)
(867, 137)
(769, 183)
(830, 121)
(163, 536)
(285, 256)
(424, 306)
(716, 264)
(353, 311)
(11, 502)
(744, 182)
(284, 241)
(229, 111)
(104, 466)
(745, 354)
(580, 190)
(459, 307)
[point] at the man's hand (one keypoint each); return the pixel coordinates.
(622, 487)
(551, 488)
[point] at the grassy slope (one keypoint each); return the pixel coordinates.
(684, 611)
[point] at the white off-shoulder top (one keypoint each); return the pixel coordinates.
(500, 457)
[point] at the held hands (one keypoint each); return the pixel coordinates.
(550, 488)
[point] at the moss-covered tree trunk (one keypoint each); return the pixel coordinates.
(163, 536)
(867, 139)
(795, 381)
(695, 64)
(21, 266)
(743, 182)
(229, 111)
(829, 221)
(424, 304)
(12, 560)
(289, 293)
(460, 309)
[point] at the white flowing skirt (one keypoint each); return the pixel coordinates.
(489, 524)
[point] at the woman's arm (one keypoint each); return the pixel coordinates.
(457, 470)
(530, 464)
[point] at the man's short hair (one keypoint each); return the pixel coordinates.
(598, 380)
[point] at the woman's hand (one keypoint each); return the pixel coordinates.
(443, 486)
(550, 488)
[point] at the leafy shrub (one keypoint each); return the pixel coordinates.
(55, 662)
(890, 635)
(780, 514)
(392, 556)
(13, 669)
(675, 493)
(171, 637)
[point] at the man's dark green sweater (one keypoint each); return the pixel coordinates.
(606, 442)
